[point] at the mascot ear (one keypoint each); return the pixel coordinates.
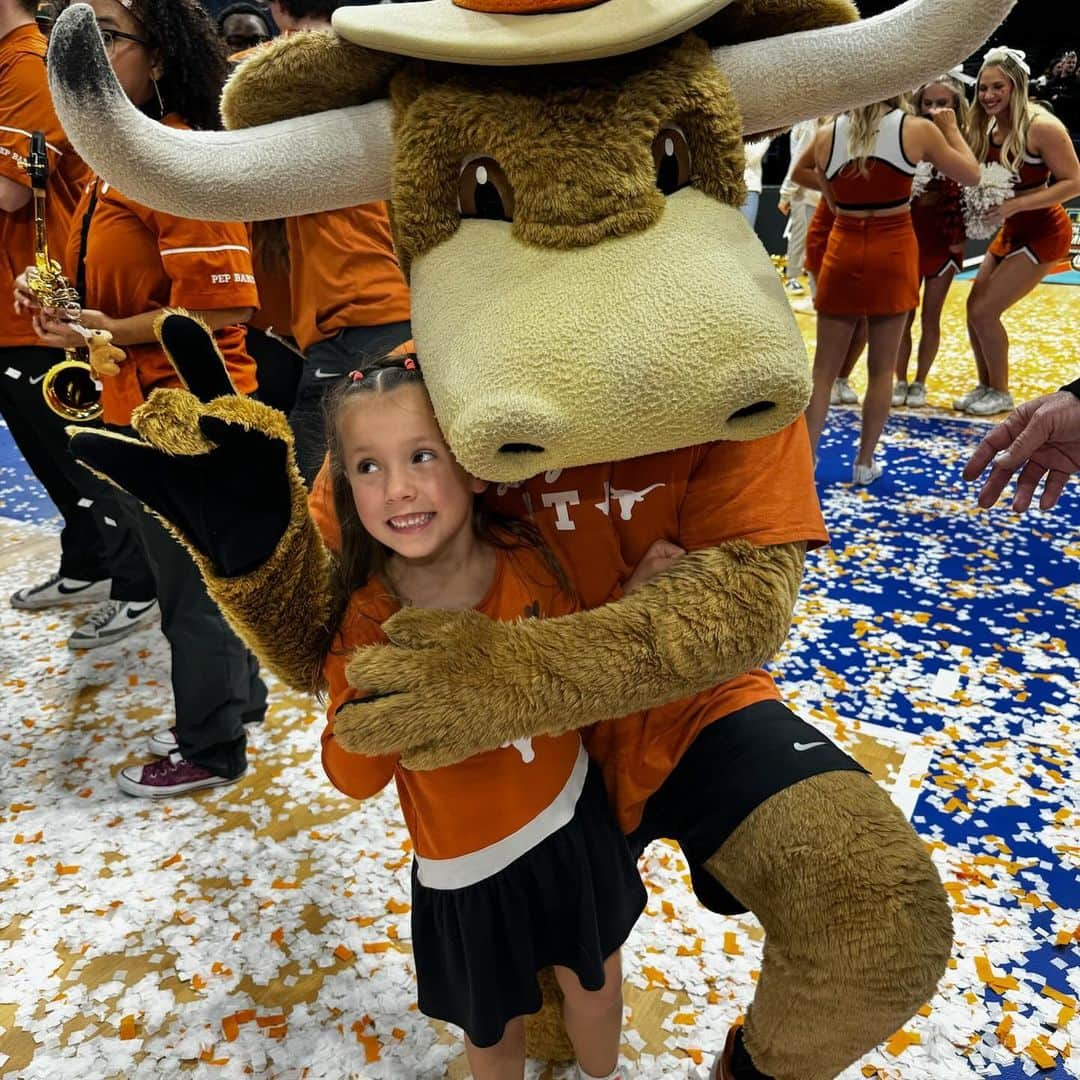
(752, 20)
(302, 74)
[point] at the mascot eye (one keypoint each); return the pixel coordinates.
(671, 155)
(484, 191)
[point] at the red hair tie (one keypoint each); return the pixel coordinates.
(356, 376)
(410, 363)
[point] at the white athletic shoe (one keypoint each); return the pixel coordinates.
(993, 401)
(899, 393)
(805, 306)
(916, 395)
(847, 395)
(963, 404)
(863, 475)
(59, 591)
(115, 619)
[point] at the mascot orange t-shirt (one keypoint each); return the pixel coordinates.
(599, 520)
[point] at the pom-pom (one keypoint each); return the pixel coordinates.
(924, 173)
(993, 188)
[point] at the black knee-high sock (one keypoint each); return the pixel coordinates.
(742, 1068)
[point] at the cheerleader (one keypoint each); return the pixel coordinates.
(1035, 234)
(867, 158)
(939, 228)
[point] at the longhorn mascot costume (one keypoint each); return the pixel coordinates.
(603, 337)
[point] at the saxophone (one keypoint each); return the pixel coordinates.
(71, 388)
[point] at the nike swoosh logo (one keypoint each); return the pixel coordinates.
(320, 374)
(65, 591)
(136, 612)
(35, 379)
(807, 745)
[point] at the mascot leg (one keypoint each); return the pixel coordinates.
(858, 928)
(545, 1032)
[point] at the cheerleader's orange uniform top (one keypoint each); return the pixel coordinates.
(871, 264)
(1043, 235)
(134, 260)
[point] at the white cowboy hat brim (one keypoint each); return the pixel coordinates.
(438, 30)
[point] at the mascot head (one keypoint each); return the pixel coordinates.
(565, 181)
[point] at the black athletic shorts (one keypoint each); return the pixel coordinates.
(729, 770)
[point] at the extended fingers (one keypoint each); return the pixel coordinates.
(424, 628)
(169, 420)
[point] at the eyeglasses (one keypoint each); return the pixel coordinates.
(236, 42)
(110, 38)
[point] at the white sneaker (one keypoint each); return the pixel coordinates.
(805, 306)
(115, 619)
(862, 475)
(916, 395)
(899, 393)
(964, 403)
(164, 743)
(847, 395)
(58, 591)
(993, 401)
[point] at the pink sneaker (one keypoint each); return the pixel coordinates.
(171, 775)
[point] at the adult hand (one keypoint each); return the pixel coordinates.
(55, 332)
(945, 119)
(1001, 213)
(661, 555)
(1041, 437)
(784, 206)
(24, 298)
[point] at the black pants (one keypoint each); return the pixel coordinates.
(97, 541)
(324, 365)
(732, 767)
(277, 368)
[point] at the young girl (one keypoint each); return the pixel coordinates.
(939, 227)
(867, 158)
(130, 262)
(1035, 235)
(519, 863)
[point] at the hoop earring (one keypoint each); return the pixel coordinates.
(157, 94)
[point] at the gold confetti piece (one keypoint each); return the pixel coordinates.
(396, 907)
(731, 944)
(1039, 1055)
(684, 1018)
(901, 1041)
(127, 1027)
(1059, 997)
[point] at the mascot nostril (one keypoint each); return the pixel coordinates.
(520, 448)
(752, 410)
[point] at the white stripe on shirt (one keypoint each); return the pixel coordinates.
(464, 870)
(19, 131)
(197, 250)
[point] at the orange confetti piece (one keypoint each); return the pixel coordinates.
(363, 920)
(273, 1020)
(279, 883)
(925, 1010)
(372, 1047)
(684, 1018)
(172, 860)
(127, 1027)
(1059, 997)
(133, 680)
(277, 1032)
(1065, 1017)
(376, 946)
(901, 1041)
(396, 907)
(695, 1054)
(731, 944)
(668, 908)
(230, 1027)
(61, 869)
(207, 1058)
(1039, 1055)
(654, 975)
(344, 954)
(398, 1033)
(198, 982)
(278, 938)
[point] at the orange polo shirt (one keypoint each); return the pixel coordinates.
(343, 272)
(140, 260)
(470, 806)
(26, 107)
(599, 520)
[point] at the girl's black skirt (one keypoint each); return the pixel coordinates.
(572, 900)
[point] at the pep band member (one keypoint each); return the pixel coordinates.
(170, 61)
(1006, 126)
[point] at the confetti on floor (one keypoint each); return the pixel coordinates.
(263, 929)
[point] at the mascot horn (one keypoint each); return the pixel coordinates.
(602, 333)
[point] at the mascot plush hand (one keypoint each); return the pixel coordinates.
(603, 336)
